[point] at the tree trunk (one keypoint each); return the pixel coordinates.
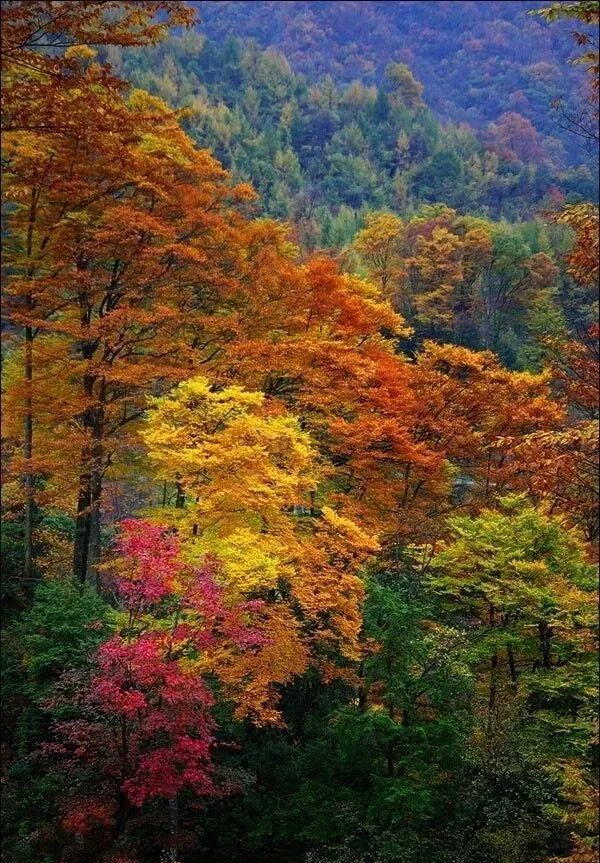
(512, 667)
(82, 522)
(28, 479)
(362, 689)
(545, 644)
(488, 311)
(392, 715)
(493, 681)
(97, 455)
(94, 544)
(390, 760)
(493, 693)
(170, 855)
(86, 551)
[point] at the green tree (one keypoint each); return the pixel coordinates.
(517, 582)
(56, 636)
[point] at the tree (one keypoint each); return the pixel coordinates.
(583, 120)
(379, 244)
(474, 413)
(433, 274)
(501, 282)
(48, 79)
(42, 44)
(440, 176)
(583, 259)
(56, 635)
(407, 90)
(476, 258)
(521, 584)
(561, 465)
(139, 725)
(515, 137)
(246, 477)
(107, 270)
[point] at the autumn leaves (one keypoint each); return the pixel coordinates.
(254, 414)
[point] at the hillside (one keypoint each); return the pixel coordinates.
(477, 60)
(311, 147)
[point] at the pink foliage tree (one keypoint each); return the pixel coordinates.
(143, 726)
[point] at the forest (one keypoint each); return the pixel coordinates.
(299, 432)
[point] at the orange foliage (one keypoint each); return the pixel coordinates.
(42, 85)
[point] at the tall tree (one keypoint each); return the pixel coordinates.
(117, 236)
(246, 477)
(51, 88)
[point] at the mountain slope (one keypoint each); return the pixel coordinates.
(477, 60)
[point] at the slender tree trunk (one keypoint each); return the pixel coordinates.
(493, 692)
(487, 313)
(97, 472)
(545, 644)
(390, 760)
(362, 689)
(392, 715)
(512, 667)
(82, 522)
(84, 502)
(123, 805)
(94, 540)
(170, 855)
(81, 545)
(486, 326)
(493, 681)
(28, 479)
(86, 551)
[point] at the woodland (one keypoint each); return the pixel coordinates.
(299, 432)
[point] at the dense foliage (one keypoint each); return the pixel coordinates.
(300, 518)
(477, 61)
(317, 150)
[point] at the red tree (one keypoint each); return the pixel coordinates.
(140, 728)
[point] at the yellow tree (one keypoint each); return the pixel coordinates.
(433, 274)
(41, 43)
(519, 583)
(244, 473)
(379, 244)
(476, 258)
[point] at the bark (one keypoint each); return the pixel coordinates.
(362, 689)
(28, 479)
(123, 805)
(512, 666)
(82, 525)
(392, 715)
(94, 544)
(170, 853)
(493, 680)
(545, 644)
(493, 692)
(87, 547)
(390, 760)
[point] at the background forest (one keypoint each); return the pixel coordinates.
(300, 432)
